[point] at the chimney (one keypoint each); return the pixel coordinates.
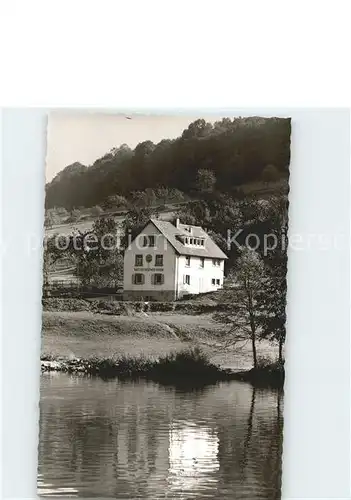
(177, 223)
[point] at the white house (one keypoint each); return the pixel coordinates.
(166, 261)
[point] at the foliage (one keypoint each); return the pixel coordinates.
(51, 255)
(74, 216)
(189, 366)
(245, 312)
(55, 216)
(96, 254)
(134, 222)
(115, 201)
(96, 211)
(236, 151)
(206, 180)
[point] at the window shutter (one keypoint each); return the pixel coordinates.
(162, 279)
(184, 279)
(143, 279)
(152, 279)
(133, 279)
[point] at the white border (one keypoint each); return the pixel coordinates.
(317, 406)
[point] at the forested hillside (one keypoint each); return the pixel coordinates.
(221, 156)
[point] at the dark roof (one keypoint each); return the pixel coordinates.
(171, 232)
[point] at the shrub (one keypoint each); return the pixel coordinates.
(96, 211)
(161, 306)
(189, 363)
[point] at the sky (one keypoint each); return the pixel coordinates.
(84, 136)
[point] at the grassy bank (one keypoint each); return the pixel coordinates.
(139, 343)
(187, 367)
(85, 335)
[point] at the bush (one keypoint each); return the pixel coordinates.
(74, 216)
(96, 211)
(66, 304)
(161, 306)
(188, 364)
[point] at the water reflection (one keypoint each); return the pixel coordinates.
(142, 440)
(193, 456)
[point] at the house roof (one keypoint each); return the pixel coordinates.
(170, 232)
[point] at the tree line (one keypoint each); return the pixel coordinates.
(229, 153)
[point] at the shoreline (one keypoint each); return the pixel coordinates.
(167, 371)
(136, 344)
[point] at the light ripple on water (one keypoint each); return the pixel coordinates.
(144, 441)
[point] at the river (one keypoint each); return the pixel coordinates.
(141, 440)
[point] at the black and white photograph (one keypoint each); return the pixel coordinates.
(164, 306)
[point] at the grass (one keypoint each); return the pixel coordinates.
(189, 367)
(266, 374)
(85, 335)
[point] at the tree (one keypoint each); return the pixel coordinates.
(115, 201)
(270, 174)
(245, 309)
(273, 297)
(237, 151)
(134, 222)
(97, 254)
(206, 180)
(96, 211)
(75, 215)
(51, 255)
(198, 128)
(273, 307)
(52, 218)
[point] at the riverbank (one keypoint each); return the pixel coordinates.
(85, 335)
(189, 368)
(118, 335)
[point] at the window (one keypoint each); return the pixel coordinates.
(138, 260)
(202, 243)
(138, 279)
(202, 261)
(187, 261)
(191, 241)
(186, 279)
(213, 281)
(158, 279)
(187, 241)
(159, 260)
(149, 241)
(218, 282)
(216, 262)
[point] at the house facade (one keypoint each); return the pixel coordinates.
(165, 262)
